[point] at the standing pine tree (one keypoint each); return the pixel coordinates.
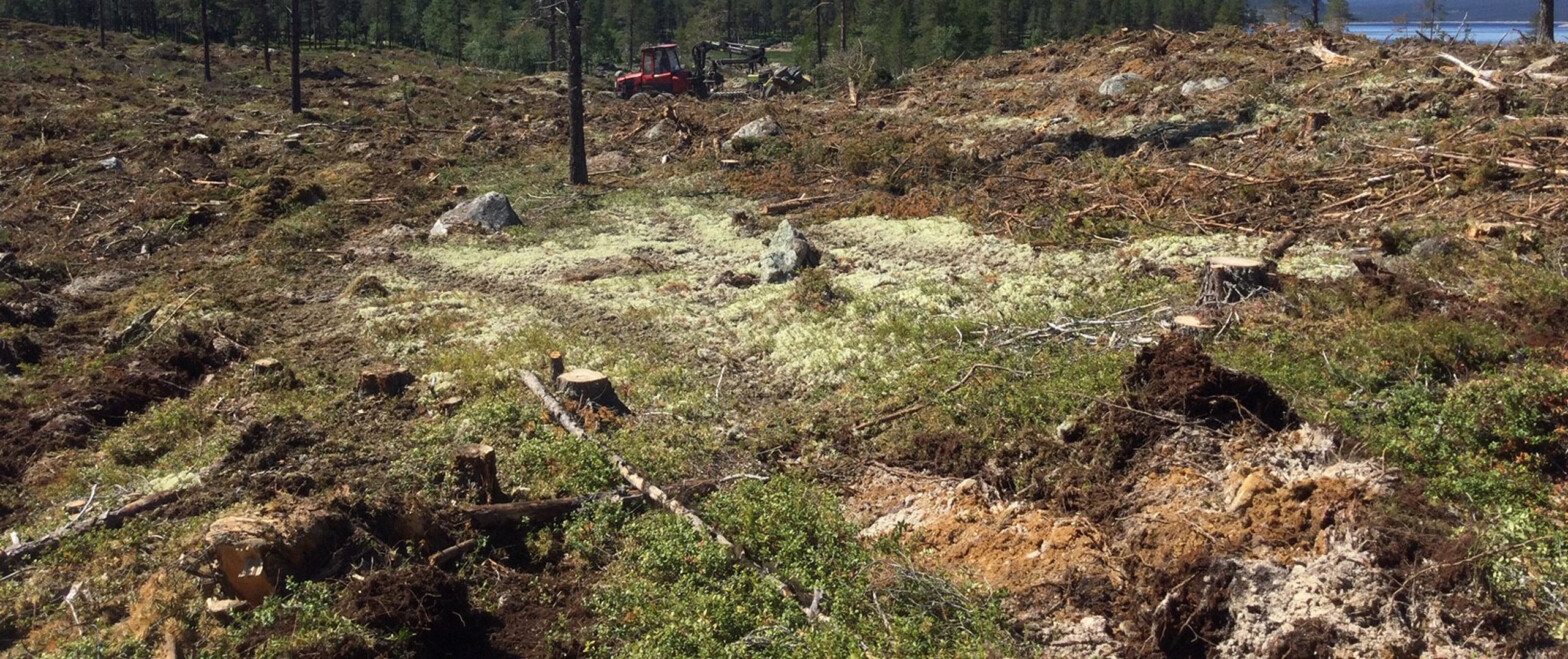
(1339, 14)
(295, 104)
(574, 90)
(1545, 33)
(206, 46)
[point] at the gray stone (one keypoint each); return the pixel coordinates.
(1119, 84)
(1194, 87)
(1435, 247)
(489, 213)
(357, 147)
(752, 134)
(788, 252)
(112, 163)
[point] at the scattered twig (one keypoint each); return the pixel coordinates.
(636, 479)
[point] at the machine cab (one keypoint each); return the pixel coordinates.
(661, 60)
(661, 72)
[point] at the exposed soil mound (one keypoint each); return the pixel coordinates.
(1176, 376)
(130, 384)
(424, 601)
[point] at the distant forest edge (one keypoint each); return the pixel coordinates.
(518, 34)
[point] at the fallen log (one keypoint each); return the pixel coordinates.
(31, 549)
(544, 512)
(808, 604)
(793, 205)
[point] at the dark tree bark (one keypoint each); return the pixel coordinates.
(103, 37)
(206, 45)
(555, 55)
(295, 105)
(457, 31)
(843, 25)
(266, 35)
(574, 89)
(1316, 6)
(1548, 21)
(821, 47)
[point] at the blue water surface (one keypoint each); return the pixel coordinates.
(1479, 32)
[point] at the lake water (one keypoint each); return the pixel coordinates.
(1479, 32)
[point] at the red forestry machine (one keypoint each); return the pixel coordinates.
(662, 71)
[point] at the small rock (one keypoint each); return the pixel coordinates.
(459, 190)
(1434, 247)
(662, 130)
(788, 252)
(473, 134)
(384, 380)
(68, 424)
(489, 213)
(1194, 87)
(1119, 84)
(74, 506)
(398, 232)
(357, 147)
(112, 164)
(751, 135)
(266, 366)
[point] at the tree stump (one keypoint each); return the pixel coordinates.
(1231, 279)
(384, 380)
(1190, 325)
(475, 467)
(589, 387)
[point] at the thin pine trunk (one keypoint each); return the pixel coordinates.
(574, 87)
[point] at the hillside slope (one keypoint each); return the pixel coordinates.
(240, 364)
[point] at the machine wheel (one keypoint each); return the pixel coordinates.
(626, 90)
(699, 88)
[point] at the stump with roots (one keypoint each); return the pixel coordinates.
(1231, 279)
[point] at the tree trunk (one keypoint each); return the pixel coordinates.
(555, 54)
(457, 33)
(1548, 21)
(266, 36)
(295, 105)
(631, 41)
(1231, 279)
(574, 90)
(821, 52)
(103, 37)
(206, 45)
(475, 467)
(843, 25)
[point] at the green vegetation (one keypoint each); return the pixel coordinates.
(671, 594)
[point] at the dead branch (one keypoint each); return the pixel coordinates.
(31, 549)
(636, 479)
(1328, 57)
(543, 512)
(792, 205)
(1484, 78)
